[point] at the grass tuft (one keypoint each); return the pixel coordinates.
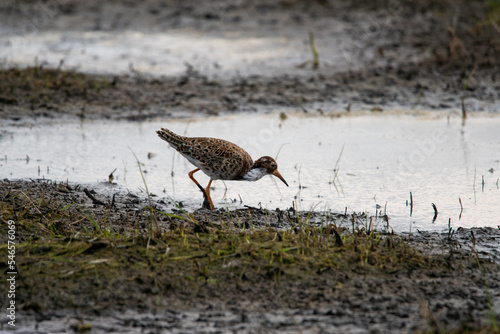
(100, 259)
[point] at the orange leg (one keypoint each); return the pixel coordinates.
(206, 193)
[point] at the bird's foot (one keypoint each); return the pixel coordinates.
(206, 203)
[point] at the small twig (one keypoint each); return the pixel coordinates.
(34, 205)
(252, 207)
(94, 200)
(461, 208)
(450, 230)
(338, 238)
(435, 212)
(113, 201)
(464, 111)
(411, 204)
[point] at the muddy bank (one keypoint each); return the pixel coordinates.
(110, 254)
(54, 96)
(419, 55)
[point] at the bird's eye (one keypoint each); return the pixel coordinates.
(273, 165)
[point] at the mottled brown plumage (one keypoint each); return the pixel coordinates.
(220, 160)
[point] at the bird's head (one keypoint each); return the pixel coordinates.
(271, 167)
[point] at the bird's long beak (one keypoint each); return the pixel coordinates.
(278, 175)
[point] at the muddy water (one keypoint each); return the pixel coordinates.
(362, 163)
(224, 55)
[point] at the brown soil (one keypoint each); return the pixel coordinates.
(456, 44)
(84, 258)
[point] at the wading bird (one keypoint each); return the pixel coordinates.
(220, 160)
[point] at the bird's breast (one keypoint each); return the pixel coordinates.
(254, 174)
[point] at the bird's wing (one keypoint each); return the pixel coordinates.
(218, 158)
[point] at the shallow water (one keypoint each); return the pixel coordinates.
(211, 54)
(381, 159)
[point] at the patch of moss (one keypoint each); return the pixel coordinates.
(179, 261)
(182, 261)
(39, 86)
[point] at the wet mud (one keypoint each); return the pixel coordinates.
(423, 55)
(86, 263)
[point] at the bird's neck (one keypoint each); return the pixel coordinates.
(254, 174)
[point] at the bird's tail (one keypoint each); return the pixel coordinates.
(173, 139)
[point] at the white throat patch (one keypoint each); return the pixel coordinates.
(255, 174)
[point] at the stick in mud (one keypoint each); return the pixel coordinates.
(435, 213)
(450, 230)
(464, 111)
(461, 208)
(411, 204)
(94, 200)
